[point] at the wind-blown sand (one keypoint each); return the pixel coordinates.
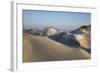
(39, 48)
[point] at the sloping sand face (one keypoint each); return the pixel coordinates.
(39, 48)
(84, 40)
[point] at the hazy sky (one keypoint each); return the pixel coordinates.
(61, 20)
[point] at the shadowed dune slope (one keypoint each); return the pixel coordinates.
(39, 48)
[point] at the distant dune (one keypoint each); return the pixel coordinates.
(40, 48)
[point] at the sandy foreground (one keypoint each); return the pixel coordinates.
(39, 48)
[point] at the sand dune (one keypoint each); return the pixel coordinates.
(39, 48)
(84, 40)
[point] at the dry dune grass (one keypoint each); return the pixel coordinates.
(38, 48)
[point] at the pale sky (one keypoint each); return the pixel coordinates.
(62, 20)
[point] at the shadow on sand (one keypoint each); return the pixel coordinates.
(65, 39)
(68, 40)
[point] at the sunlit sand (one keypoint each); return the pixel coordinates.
(39, 48)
